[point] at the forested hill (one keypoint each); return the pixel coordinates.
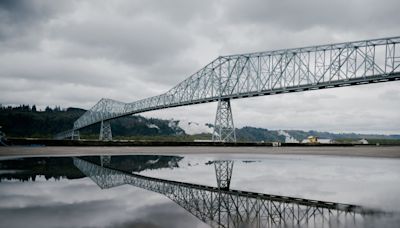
(262, 134)
(27, 121)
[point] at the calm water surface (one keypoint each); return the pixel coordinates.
(182, 191)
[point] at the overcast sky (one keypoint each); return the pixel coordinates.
(72, 53)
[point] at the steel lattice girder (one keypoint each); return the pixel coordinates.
(233, 208)
(268, 73)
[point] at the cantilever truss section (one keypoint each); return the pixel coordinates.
(268, 73)
(232, 208)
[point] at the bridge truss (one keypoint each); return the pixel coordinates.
(222, 207)
(260, 74)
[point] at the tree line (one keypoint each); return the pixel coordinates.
(33, 108)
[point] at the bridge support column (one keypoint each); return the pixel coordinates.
(223, 172)
(105, 160)
(224, 129)
(75, 135)
(105, 131)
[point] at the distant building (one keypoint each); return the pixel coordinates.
(315, 139)
(312, 139)
(276, 144)
(326, 141)
(203, 140)
(362, 141)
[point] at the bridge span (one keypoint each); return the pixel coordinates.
(259, 74)
(223, 207)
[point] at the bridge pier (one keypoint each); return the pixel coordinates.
(223, 173)
(105, 131)
(75, 135)
(224, 129)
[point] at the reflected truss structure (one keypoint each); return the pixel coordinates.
(223, 173)
(220, 207)
(105, 160)
(266, 73)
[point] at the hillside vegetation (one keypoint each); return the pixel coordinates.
(27, 121)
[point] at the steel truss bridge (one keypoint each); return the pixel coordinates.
(223, 207)
(259, 74)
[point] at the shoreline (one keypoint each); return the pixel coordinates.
(355, 151)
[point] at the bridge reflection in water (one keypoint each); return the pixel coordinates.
(224, 207)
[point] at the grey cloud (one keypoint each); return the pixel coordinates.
(54, 214)
(153, 47)
(81, 203)
(22, 22)
(40, 67)
(80, 214)
(30, 11)
(9, 200)
(300, 15)
(171, 71)
(137, 42)
(165, 215)
(390, 95)
(176, 11)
